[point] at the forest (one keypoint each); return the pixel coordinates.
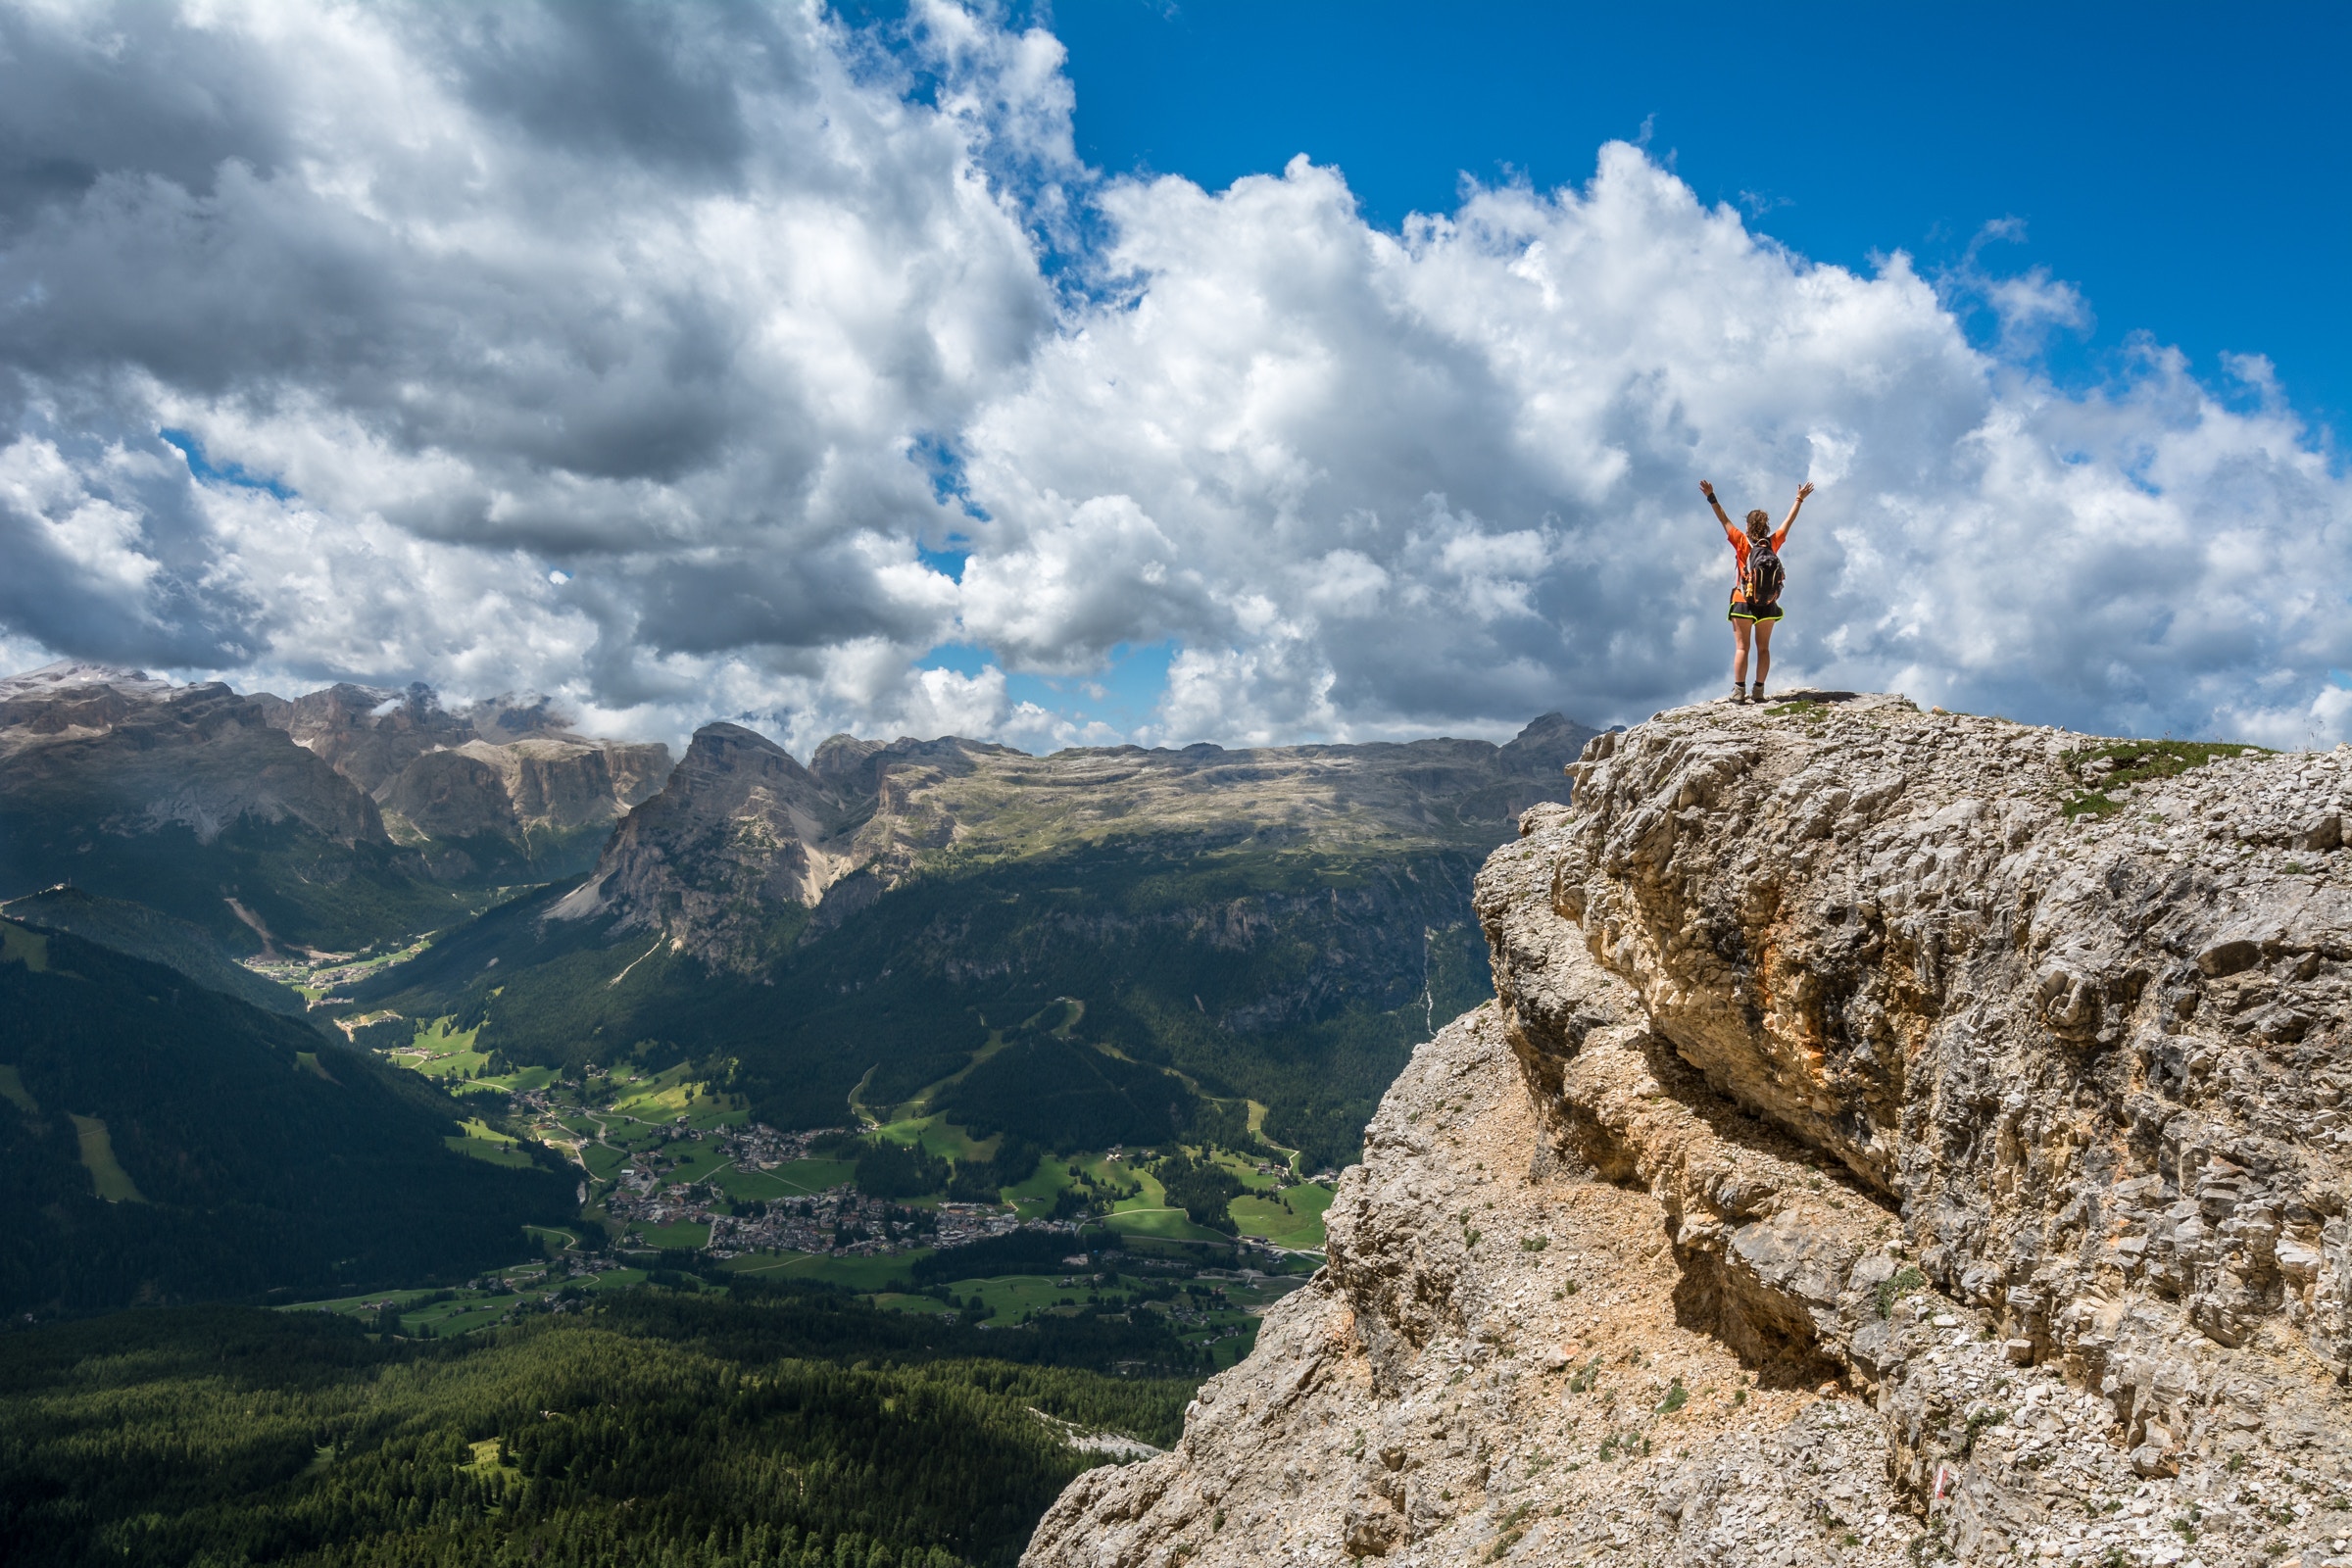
(168, 1143)
(771, 1427)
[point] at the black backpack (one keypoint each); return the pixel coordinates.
(1764, 575)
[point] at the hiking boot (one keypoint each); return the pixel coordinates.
(1757, 695)
(1739, 694)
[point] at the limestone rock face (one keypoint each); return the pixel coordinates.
(739, 834)
(1962, 1133)
(525, 769)
(450, 794)
(132, 756)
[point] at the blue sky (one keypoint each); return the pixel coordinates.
(2188, 167)
(1085, 373)
(2172, 162)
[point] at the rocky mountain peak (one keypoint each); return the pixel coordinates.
(133, 755)
(738, 833)
(1897, 1134)
(855, 769)
(501, 767)
(741, 832)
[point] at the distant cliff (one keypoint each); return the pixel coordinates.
(499, 770)
(1897, 1136)
(337, 819)
(742, 832)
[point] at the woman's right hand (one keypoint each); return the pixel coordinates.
(1706, 489)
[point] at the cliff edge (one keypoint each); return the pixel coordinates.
(1899, 1137)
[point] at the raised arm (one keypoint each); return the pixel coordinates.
(1707, 489)
(1802, 490)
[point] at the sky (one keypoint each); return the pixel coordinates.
(1124, 371)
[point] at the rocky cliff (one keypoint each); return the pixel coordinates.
(1897, 1136)
(339, 818)
(132, 755)
(503, 767)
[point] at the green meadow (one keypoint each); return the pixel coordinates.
(112, 1182)
(1299, 1228)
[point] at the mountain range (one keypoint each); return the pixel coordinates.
(329, 823)
(1276, 925)
(1098, 948)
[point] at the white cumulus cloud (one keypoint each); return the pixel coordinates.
(638, 354)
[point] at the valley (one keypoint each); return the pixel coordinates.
(970, 1105)
(677, 1181)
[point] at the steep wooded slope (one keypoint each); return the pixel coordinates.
(168, 1143)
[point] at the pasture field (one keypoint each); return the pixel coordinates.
(481, 1141)
(112, 1182)
(665, 1095)
(806, 1178)
(1300, 1228)
(855, 1273)
(1034, 1198)
(521, 1081)
(696, 1162)
(440, 1049)
(1243, 1171)
(441, 1314)
(1015, 1298)
(449, 1320)
(1169, 1224)
(1152, 1196)
(753, 1186)
(349, 1305)
(937, 1136)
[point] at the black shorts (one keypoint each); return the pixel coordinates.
(1742, 609)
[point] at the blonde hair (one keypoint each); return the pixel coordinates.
(1759, 521)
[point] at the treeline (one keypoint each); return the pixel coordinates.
(657, 1429)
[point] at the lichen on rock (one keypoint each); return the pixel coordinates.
(1872, 1154)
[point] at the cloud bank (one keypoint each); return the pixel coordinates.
(668, 361)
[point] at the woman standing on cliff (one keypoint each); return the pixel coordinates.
(1756, 590)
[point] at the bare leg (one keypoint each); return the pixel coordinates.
(1764, 651)
(1740, 631)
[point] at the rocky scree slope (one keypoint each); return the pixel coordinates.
(1973, 1164)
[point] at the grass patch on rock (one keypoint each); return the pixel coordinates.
(2119, 764)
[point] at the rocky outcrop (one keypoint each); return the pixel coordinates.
(505, 766)
(449, 795)
(740, 835)
(1951, 1109)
